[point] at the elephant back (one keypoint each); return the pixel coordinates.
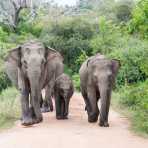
(54, 55)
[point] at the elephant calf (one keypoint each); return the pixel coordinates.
(63, 92)
(97, 76)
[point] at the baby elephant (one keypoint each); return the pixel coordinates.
(63, 92)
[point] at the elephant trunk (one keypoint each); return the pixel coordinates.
(66, 107)
(66, 104)
(35, 94)
(105, 94)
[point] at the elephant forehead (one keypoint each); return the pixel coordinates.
(64, 87)
(33, 45)
(102, 63)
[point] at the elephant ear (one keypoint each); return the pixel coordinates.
(14, 55)
(52, 53)
(115, 66)
(88, 62)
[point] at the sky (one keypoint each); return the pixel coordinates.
(66, 2)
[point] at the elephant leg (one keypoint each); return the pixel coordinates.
(62, 108)
(26, 117)
(58, 105)
(36, 107)
(86, 100)
(41, 100)
(66, 109)
(47, 103)
(94, 111)
(105, 104)
(31, 109)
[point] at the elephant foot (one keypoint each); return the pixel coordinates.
(27, 121)
(65, 118)
(51, 108)
(59, 117)
(37, 120)
(93, 118)
(45, 109)
(103, 124)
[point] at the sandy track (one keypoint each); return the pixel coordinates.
(73, 133)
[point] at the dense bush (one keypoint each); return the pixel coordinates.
(70, 37)
(76, 81)
(135, 98)
(123, 9)
(139, 21)
(4, 81)
(3, 35)
(9, 107)
(133, 56)
(106, 40)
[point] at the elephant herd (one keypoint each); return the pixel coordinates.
(33, 67)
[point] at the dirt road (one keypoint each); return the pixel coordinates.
(73, 133)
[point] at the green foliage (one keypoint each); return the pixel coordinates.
(4, 81)
(107, 38)
(70, 37)
(9, 107)
(3, 35)
(76, 81)
(135, 98)
(81, 58)
(123, 12)
(139, 21)
(133, 56)
(68, 71)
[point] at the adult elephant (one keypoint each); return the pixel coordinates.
(32, 67)
(97, 76)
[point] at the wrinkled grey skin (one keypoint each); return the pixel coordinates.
(31, 67)
(97, 77)
(63, 91)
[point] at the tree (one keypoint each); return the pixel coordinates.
(10, 10)
(124, 10)
(139, 21)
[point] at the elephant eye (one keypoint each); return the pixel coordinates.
(25, 64)
(27, 50)
(43, 61)
(40, 50)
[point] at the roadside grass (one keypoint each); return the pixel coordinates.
(9, 107)
(133, 104)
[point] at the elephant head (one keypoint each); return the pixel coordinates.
(103, 70)
(31, 58)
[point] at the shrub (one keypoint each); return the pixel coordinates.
(107, 37)
(133, 56)
(68, 71)
(3, 35)
(4, 81)
(139, 23)
(9, 106)
(135, 98)
(76, 80)
(124, 10)
(70, 37)
(83, 56)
